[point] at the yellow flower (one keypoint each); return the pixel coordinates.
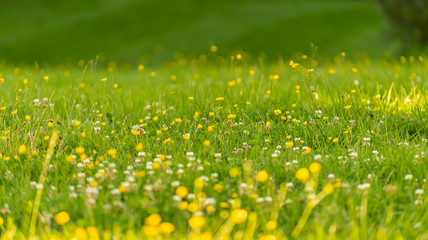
(77, 123)
(1, 221)
(186, 137)
(93, 233)
(182, 191)
(81, 233)
(271, 225)
(191, 98)
(262, 176)
(213, 48)
(335, 140)
(315, 167)
(239, 215)
(135, 132)
(112, 152)
(207, 143)
(153, 220)
(328, 188)
(347, 107)
(269, 237)
(28, 118)
(302, 174)
(150, 230)
(231, 116)
(80, 150)
(14, 112)
(293, 64)
(196, 222)
(103, 79)
(233, 172)
(218, 188)
(22, 149)
(166, 228)
(183, 205)
(289, 144)
(62, 218)
(139, 147)
(277, 111)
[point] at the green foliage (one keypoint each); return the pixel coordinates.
(408, 20)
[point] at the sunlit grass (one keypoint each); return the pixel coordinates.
(216, 148)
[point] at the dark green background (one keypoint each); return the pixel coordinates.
(126, 30)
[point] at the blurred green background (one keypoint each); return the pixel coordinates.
(127, 30)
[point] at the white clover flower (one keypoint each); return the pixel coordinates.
(419, 191)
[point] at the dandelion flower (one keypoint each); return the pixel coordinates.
(239, 215)
(182, 192)
(197, 222)
(262, 176)
(302, 174)
(62, 218)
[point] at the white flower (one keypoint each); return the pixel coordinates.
(419, 191)
(408, 177)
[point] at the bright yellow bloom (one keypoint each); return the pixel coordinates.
(22, 149)
(81, 233)
(239, 215)
(153, 220)
(302, 174)
(315, 167)
(186, 137)
(62, 218)
(269, 237)
(233, 172)
(196, 222)
(139, 147)
(231, 116)
(262, 176)
(271, 225)
(182, 191)
(166, 227)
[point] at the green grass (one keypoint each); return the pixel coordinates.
(56, 31)
(361, 99)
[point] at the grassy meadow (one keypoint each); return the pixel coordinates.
(213, 147)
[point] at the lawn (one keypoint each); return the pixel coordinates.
(127, 30)
(213, 147)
